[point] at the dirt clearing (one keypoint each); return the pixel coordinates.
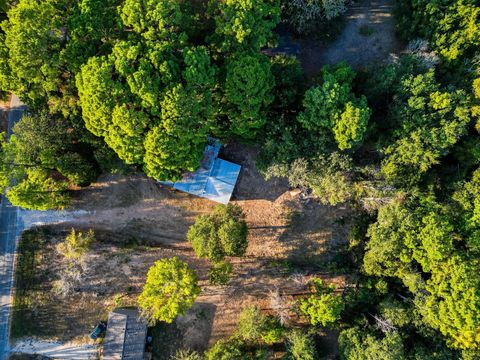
(137, 221)
(368, 38)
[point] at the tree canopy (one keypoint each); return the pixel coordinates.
(46, 42)
(333, 112)
(42, 158)
(323, 307)
(429, 120)
(170, 290)
(223, 233)
(418, 245)
(356, 344)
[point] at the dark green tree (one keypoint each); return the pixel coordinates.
(41, 159)
(46, 42)
(248, 87)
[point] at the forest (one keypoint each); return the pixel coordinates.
(140, 85)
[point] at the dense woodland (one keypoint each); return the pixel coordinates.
(142, 83)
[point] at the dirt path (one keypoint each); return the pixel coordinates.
(56, 350)
(368, 37)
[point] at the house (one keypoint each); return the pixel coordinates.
(214, 180)
(125, 337)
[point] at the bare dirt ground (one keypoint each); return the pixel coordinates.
(368, 38)
(3, 120)
(4, 107)
(51, 349)
(138, 221)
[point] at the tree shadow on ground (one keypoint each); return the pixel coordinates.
(250, 184)
(317, 235)
(191, 331)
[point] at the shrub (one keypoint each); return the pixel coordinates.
(273, 332)
(225, 350)
(186, 355)
(76, 244)
(254, 326)
(223, 233)
(220, 273)
(323, 307)
(300, 346)
(250, 324)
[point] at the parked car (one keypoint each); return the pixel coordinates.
(99, 329)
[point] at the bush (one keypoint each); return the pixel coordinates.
(273, 332)
(186, 355)
(300, 346)
(225, 350)
(254, 326)
(76, 244)
(220, 273)
(224, 233)
(250, 324)
(322, 308)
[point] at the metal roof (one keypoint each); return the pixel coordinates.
(214, 180)
(125, 337)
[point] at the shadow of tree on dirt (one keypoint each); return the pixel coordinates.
(191, 331)
(316, 235)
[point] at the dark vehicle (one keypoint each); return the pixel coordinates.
(99, 329)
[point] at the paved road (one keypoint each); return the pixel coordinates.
(8, 244)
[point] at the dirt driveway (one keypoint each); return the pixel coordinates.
(368, 38)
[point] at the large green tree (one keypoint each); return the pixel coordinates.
(452, 27)
(46, 42)
(248, 87)
(41, 159)
(245, 24)
(147, 112)
(170, 290)
(427, 120)
(468, 197)
(332, 111)
(416, 241)
(358, 344)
